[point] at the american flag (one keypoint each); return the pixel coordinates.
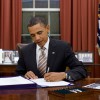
(98, 33)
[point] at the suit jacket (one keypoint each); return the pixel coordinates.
(60, 55)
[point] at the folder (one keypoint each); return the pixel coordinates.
(17, 82)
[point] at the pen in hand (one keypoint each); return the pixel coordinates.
(46, 75)
(47, 70)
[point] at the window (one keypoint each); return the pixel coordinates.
(46, 8)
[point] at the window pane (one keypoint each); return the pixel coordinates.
(42, 14)
(54, 23)
(25, 19)
(41, 4)
(54, 3)
(26, 39)
(55, 37)
(25, 34)
(27, 3)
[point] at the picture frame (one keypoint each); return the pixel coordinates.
(16, 56)
(7, 56)
(85, 57)
(76, 55)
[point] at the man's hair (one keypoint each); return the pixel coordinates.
(35, 20)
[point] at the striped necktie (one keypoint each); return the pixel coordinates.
(42, 61)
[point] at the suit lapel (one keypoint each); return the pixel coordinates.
(51, 55)
(33, 60)
(33, 56)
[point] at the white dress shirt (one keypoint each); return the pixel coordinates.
(38, 51)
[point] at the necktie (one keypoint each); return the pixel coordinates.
(42, 62)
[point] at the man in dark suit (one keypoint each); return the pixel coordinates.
(58, 53)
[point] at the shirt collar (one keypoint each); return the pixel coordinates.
(46, 45)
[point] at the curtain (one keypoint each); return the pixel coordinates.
(78, 20)
(10, 23)
(65, 20)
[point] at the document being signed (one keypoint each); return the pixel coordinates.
(42, 82)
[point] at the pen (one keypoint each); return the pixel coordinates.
(47, 70)
(78, 90)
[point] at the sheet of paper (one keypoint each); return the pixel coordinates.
(43, 83)
(14, 81)
(98, 87)
(93, 86)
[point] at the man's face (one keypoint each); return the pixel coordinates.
(39, 34)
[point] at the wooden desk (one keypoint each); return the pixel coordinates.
(89, 94)
(49, 94)
(93, 70)
(7, 69)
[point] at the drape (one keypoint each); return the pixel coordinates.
(10, 23)
(78, 21)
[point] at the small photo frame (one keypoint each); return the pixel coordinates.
(76, 54)
(16, 56)
(8, 56)
(85, 57)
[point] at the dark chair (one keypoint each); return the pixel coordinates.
(19, 46)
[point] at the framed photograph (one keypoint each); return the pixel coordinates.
(16, 56)
(85, 57)
(8, 56)
(0, 56)
(76, 54)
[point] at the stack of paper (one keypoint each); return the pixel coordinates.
(93, 86)
(43, 83)
(18, 80)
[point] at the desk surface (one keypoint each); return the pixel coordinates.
(50, 94)
(8, 64)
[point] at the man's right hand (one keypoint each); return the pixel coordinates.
(30, 75)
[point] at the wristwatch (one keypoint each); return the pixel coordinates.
(68, 77)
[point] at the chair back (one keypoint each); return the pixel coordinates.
(20, 46)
